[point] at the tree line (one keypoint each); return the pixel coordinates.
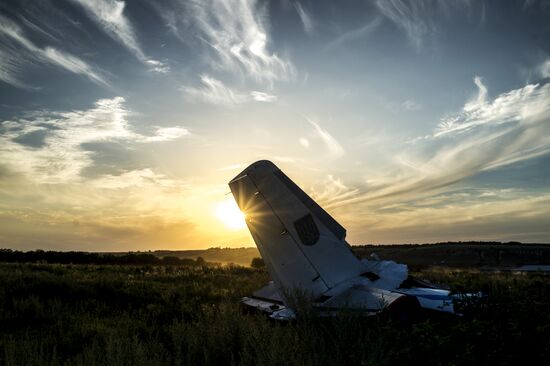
(42, 256)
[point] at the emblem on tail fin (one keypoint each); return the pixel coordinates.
(307, 230)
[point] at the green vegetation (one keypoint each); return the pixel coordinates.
(54, 314)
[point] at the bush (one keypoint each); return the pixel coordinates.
(257, 262)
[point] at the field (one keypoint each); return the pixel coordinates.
(53, 314)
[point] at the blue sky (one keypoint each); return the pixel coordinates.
(122, 121)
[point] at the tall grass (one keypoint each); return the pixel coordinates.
(149, 315)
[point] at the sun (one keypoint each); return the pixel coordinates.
(228, 212)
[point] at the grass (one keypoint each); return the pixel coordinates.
(189, 315)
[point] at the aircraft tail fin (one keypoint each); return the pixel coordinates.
(301, 244)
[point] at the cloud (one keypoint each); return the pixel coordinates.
(134, 178)
(158, 66)
(176, 15)
(334, 147)
(13, 58)
(109, 14)
(544, 69)
(236, 32)
(304, 142)
(332, 189)
(484, 135)
(519, 107)
(514, 216)
(411, 105)
(73, 64)
(48, 147)
(419, 19)
(166, 134)
(481, 96)
(47, 200)
(410, 16)
(305, 17)
(259, 96)
(355, 34)
(10, 68)
(215, 92)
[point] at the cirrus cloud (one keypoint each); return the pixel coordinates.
(13, 57)
(109, 14)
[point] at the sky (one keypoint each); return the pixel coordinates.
(121, 122)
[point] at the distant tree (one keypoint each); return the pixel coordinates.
(257, 262)
(200, 261)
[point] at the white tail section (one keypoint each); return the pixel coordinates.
(302, 245)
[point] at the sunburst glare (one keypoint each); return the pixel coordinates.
(228, 212)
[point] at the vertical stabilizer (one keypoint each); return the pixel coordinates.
(301, 244)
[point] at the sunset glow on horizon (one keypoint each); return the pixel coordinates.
(121, 122)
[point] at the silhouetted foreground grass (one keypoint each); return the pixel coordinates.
(147, 315)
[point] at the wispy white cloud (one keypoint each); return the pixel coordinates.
(166, 134)
(10, 69)
(411, 105)
(234, 35)
(305, 17)
(109, 14)
(14, 57)
(544, 69)
(175, 14)
(419, 19)
(134, 178)
(410, 16)
(259, 96)
(236, 31)
(518, 106)
(332, 189)
(333, 146)
(158, 66)
(214, 91)
(477, 102)
(47, 147)
(43, 29)
(73, 64)
(304, 142)
(486, 134)
(354, 34)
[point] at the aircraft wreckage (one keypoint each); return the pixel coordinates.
(305, 251)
